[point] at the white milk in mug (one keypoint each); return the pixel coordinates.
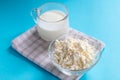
(52, 25)
(52, 20)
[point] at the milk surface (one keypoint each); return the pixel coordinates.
(51, 25)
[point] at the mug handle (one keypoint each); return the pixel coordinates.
(35, 14)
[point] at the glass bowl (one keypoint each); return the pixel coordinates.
(96, 43)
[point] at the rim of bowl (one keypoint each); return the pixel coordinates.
(58, 66)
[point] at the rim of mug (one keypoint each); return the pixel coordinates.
(66, 12)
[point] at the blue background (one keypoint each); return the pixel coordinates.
(98, 18)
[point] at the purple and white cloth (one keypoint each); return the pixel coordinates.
(31, 46)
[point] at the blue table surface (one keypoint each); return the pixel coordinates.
(98, 18)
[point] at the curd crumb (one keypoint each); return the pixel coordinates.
(74, 54)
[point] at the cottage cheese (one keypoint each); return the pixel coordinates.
(74, 54)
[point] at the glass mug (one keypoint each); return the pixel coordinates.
(51, 19)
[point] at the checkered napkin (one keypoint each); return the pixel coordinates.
(31, 46)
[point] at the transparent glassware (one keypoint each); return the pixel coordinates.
(50, 27)
(99, 47)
